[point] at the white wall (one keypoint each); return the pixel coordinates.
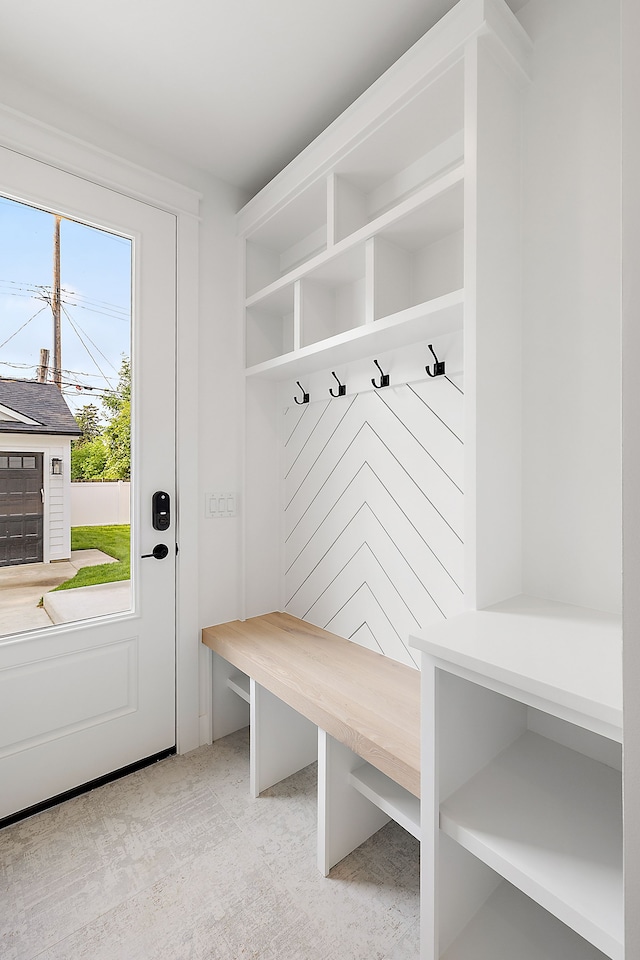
(220, 372)
(631, 463)
(571, 384)
(373, 518)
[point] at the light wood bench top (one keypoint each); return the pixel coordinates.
(363, 699)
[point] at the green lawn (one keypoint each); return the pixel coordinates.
(113, 540)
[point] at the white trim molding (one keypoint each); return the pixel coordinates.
(46, 143)
(6, 413)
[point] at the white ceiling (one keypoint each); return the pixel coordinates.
(235, 87)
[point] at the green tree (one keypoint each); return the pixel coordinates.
(104, 452)
(88, 419)
(88, 460)
(117, 433)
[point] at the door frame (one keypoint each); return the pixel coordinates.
(42, 142)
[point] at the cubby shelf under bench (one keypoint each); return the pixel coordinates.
(521, 789)
(313, 695)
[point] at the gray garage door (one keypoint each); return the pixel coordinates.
(21, 508)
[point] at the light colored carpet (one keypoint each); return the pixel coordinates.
(177, 862)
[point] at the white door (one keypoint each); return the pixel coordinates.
(79, 701)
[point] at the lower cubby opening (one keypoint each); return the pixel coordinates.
(388, 796)
(509, 925)
(535, 801)
(240, 684)
(549, 820)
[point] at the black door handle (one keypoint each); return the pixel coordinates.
(160, 551)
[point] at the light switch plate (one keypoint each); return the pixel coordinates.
(219, 505)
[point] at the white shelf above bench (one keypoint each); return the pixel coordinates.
(432, 213)
(424, 321)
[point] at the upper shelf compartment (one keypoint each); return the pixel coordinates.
(294, 235)
(414, 146)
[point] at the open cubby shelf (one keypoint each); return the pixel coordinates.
(528, 816)
(415, 324)
(396, 268)
(509, 924)
(388, 796)
(545, 815)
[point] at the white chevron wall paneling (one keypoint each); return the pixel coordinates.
(374, 512)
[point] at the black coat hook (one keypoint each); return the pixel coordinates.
(438, 368)
(342, 387)
(305, 396)
(384, 378)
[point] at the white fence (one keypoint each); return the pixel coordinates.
(97, 503)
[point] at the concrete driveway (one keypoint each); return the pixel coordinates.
(22, 587)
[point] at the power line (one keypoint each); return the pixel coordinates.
(79, 389)
(93, 344)
(104, 313)
(79, 373)
(33, 366)
(5, 342)
(73, 383)
(21, 283)
(93, 300)
(31, 287)
(21, 366)
(43, 290)
(70, 387)
(77, 333)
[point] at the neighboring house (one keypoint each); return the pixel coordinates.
(36, 429)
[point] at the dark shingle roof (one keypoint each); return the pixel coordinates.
(41, 402)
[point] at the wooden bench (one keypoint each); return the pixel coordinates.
(313, 695)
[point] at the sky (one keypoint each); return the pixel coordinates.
(95, 276)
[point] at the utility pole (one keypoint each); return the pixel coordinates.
(55, 307)
(43, 368)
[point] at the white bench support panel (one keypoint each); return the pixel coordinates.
(388, 796)
(282, 740)
(228, 710)
(345, 817)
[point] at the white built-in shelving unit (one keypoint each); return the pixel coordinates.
(368, 253)
(390, 281)
(521, 782)
(400, 224)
